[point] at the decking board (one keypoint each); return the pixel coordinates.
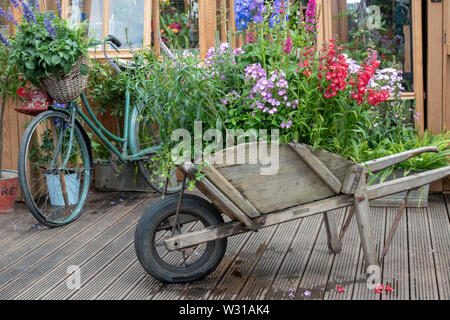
(344, 268)
(79, 257)
(280, 262)
(423, 281)
(291, 272)
(396, 265)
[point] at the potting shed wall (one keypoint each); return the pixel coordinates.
(425, 60)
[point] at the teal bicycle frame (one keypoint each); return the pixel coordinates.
(130, 150)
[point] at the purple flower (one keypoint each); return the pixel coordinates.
(14, 3)
(58, 2)
(4, 40)
(8, 16)
(48, 24)
(28, 12)
(286, 125)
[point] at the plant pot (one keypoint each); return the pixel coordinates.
(69, 86)
(417, 198)
(128, 179)
(9, 182)
(55, 190)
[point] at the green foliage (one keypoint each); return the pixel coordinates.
(106, 89)
(10, 80)
(39, 53)
(407, 139)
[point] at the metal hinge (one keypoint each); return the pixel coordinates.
(445, 37)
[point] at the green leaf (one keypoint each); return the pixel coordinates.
(56, 59)
(67, 67)
(84, 69)
(30, 65)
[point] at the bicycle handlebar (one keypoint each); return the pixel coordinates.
(113, 42)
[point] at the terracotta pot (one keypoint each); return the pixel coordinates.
(9, 183)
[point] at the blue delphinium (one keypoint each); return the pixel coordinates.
(279, 9)
(247, 11)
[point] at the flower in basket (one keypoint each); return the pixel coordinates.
(45, 45)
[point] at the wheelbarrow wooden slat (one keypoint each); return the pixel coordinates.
(233, 228)
(386, 162)
(224, 204)
(227, 188)
(406, 183)
(294, 184)
(317, 166)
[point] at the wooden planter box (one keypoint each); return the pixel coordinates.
(129, 179)
(417, 198)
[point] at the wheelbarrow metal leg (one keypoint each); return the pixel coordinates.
(334, 244)
(362, 212)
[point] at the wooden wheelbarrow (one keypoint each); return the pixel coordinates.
(183, 238)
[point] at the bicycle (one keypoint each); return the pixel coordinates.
(56, 162)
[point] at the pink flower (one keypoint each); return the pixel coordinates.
(287, 47)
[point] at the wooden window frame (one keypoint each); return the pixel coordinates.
(106, 10)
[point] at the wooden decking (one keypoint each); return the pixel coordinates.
(289, 261)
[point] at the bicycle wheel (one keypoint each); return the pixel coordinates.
(146, 133)
(55, 195)
(185, 265)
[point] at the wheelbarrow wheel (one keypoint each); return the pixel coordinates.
(185, 265)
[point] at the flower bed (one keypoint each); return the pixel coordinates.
(282, 81)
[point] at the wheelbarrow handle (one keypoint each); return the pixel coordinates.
(407, 183)
(386, 162)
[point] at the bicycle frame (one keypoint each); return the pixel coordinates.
(129, 150)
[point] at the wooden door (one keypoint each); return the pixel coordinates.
(446, 73)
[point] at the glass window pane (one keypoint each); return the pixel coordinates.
(179, 24)
(126, 21)
(91, 10)
(385, 25)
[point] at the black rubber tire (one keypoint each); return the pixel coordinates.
(157, 213)
(22, 164)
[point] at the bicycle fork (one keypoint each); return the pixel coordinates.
(57, 157)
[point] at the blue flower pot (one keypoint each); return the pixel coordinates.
(55, 190)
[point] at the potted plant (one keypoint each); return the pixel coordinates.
(50, 52)
(41, 154)
(9, 82)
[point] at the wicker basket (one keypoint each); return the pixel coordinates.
(70, 86)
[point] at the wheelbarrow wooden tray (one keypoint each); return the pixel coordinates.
(308, 182)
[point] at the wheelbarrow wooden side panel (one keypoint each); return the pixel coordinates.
(294, 184)
(336, 202)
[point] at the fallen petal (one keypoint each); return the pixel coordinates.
(388, 288)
